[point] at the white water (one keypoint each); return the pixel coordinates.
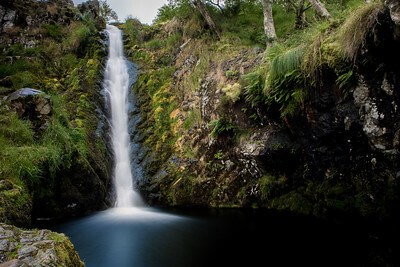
(116, 83)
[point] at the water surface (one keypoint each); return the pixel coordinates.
(151, 237)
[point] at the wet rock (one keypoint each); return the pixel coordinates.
(279, 153)
(41, 248)
(371, 116)
(394, 8)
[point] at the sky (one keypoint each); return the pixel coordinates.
(144, 10)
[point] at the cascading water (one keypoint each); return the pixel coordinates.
(116, 83)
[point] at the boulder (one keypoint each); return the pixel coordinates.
(31, 104)
(35, 248)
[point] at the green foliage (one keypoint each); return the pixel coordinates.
(233, 92)
(165, 13)
(284, 21)
(106, 12)
(78, 38)
(219, 154)
(64, 65)
(285, 81)
(15, 50)
(245, 24)
(173, 41)
(24, 157)
(17, 131)
(221, 126)
(20, 65)
(283, 62)
(86, 18)
(344, 79)
(180, 9)
(131, 27)
(154, 88)
(353, 33)
(22, 79)
(231, 73)
(193, 118)
(256, 82)
(53, 30)
(154, 44)
(57, 237)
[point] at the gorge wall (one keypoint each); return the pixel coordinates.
(55, 160)
(220, 130)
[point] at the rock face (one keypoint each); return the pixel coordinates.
(394, 8)
(336, 154)
(31, 104)
(26, 15)
(35, 248)
(76, 180)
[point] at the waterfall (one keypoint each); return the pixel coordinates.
(116, 83)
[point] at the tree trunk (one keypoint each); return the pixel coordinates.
(300, 15)
(206, 15)
(320, 9)
(269, 27)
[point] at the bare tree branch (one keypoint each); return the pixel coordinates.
(216, 4)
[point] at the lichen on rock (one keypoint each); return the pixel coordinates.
(35, 248)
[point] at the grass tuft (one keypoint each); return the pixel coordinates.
(354, 32)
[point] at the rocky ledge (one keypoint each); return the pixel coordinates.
(35, 248)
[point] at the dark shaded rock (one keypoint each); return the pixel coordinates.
(394, 8)
(93, 7)
(280, 153)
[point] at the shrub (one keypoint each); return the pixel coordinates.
(52, 30)
(173, 41)
(131, 27)
(154, 44)
(233, 92)
(78, 38)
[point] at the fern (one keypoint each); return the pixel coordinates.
(344, 79)
(285, 63)
(254, 91)
(285, 80)
(220, 126)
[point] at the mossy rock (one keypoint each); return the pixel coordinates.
(36, 248)
(15, 204)
(293, 201)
